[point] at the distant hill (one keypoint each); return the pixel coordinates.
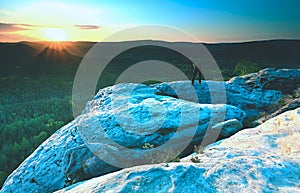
(32, 57)
(54, 57)
(13, 53)
(274, 53)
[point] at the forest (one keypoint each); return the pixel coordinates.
(31, 109)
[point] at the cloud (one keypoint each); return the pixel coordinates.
(87, 27)
(27, 25)
(6, 27)
(14, 27)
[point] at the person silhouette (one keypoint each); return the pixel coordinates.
(196, 71)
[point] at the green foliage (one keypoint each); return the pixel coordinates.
(149, 82)
(296, 93)
(195, 159)
(3, 176)
(30, 111)
(198, 149)
(226, 73)
(148, 146)
(176, 159)
(246, 67)
(162, 155)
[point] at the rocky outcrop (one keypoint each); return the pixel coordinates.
(130, 115)
(262, 159)
(125, 122)
(290, 104)
(253, 93)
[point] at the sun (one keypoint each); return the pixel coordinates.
(55, 34)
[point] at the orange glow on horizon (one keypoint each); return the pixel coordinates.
(57, 45)
(60, 46)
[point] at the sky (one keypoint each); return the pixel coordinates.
(95, 20)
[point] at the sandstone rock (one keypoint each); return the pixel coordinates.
(262, 159)
(129, 115)
(252, 93)
(285, 80)
(232, 126)
(290, 104)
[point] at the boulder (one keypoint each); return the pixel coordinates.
(129, 115)
(261, 159)
(290, 104)
(253, 93)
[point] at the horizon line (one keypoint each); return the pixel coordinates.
(220, 42)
